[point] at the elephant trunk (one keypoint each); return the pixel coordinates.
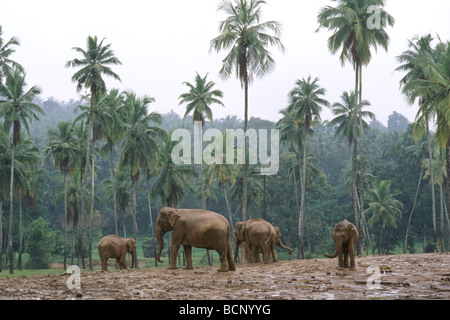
(334, 255)
(160, 237)
(285, 248)
(236, 249)
(132, 259)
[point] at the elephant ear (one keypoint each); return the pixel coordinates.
(130, 243)
(173, 215)
(241, 231)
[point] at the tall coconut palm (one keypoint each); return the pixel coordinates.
(247, 40)
(95, 63)
(7, 65)
(412, 60)
(383, 207)
(436, 87)
(62, 148)
(306, 102)
(17, 109)
(198, 100)
(357, 26)
(346, 120)
(140, 148)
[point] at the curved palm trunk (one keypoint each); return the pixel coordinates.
(405, 245)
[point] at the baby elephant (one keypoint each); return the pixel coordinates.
(116, 248)
(344, 236)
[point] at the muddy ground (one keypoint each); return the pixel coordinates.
(412, 276)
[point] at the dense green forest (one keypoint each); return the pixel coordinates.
(390, 181)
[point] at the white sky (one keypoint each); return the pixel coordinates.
(164, 43)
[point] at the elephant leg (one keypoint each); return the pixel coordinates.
(122, 262)
(188, 255)
(274, 255)
(346, 265)
(341, 260)
(231, 263)
(104, 265)
(255, 252)
(351, 253)
(223, 259)
(174, 246)
(266, 254)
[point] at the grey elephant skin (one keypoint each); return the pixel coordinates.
(345, 236)
(195, 228)
(113, 247)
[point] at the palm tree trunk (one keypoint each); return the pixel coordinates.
(447, 151)
(19, 259)
(405, 245)
(65, 220)
(441, 200)
(134, 219)
(361, 164)
(302, 199)
(228, 209)
(151, 220)
(113, 176)
(433, 201)
(354, 190)
(244, 168)
(1, 232)
(91, 215)
(83, 190)
(11, 212)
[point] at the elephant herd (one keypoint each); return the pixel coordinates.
(210, 230)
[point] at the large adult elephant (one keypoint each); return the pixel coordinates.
(344, 235)
(195, 228)
(116, 248)
(259, 235)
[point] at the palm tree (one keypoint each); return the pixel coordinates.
(383, 206)
(140, 148)
(346, 120)
(306, 102)
(247, 39)
(354, 34)
(419, 151)
(62, 148)
(436, 87)
(17, 109)
(7, 65)
(198, 99)
(94, 64)
(121, 191)
(173, 182)
(413, 88)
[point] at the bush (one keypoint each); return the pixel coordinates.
(40, 241)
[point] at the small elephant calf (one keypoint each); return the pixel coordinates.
(116, 248)
(345, 235)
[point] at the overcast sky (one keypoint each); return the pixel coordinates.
(164, 43)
